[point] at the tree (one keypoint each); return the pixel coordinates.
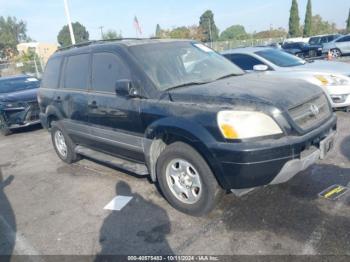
(111, 34)
(308, 20)
(348, 24)
(158, 31)
(180, 33)
(80, 34)
(320, 27)
(234, 32)
(207, 25)
(29, 58)
(294, 20)
(12, 32)
(272, 33)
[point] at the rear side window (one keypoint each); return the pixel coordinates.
(77, 72)
(245, 62)
(52, 73)
(107, 69)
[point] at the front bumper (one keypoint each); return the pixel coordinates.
(340, 100)
(18, 117)
(272, 161)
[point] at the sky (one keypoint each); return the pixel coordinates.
(45, 18)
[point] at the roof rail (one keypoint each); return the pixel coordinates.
(87, 43)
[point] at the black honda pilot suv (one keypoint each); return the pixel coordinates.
(181, 113)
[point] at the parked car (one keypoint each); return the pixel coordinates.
(333, 77)
(18, 104)
(302, 49)
(177, 110)
(320, 40)
(338, 47)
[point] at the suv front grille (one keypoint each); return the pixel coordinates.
(311, 113)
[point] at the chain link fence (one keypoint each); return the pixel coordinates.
(226, 45)
(32, 68)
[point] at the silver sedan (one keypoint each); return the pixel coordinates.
(332, 77)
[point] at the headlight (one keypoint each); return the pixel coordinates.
(246, 124)
(331, 80)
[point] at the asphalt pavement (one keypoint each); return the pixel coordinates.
(50, 208)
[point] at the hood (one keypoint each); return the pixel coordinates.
(326, 67)
(20, 96)
(250, 88)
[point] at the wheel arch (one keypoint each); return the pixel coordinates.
(52, 114)
(168, 131)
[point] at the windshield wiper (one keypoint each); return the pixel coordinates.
(227, 76)
(187, 84)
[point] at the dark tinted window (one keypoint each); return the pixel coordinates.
(325, 39)
(344, 39)
(315, 40)
(245, 62)
(280, 58)
(77, 72)
(18, 84)
(292, 45)
(52, 73)
(107, 69)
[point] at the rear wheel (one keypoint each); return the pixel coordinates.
(186, 180)
(63, 145)
(4, 129)
(336, 53)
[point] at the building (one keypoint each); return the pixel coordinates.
(43, 50)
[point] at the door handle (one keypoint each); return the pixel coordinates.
(93, 104)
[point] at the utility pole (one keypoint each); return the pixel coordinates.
(210, 39)
(36, 67)
(101, 29)
(69, 22)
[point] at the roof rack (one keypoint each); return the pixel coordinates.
(87, 43)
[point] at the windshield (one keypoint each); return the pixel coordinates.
(281, 58)
(18, 84)
(315, 41)
(176, 64)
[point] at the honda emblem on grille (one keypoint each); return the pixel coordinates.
(314, 110)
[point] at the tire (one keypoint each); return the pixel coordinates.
(4, 129)
(336, 53)
(66, 145)
(187, 167)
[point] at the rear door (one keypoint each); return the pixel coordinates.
(344, 44)
(72, 97)
(115, 119)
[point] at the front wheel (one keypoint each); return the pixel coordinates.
(336, 53)
(186, 180)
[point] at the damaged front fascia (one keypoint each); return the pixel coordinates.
(14, 116)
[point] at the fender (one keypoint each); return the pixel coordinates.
(182, 130)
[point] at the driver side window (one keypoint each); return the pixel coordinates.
(107, 69)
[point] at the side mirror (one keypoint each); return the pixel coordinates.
(126, 88)
(260, 68)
